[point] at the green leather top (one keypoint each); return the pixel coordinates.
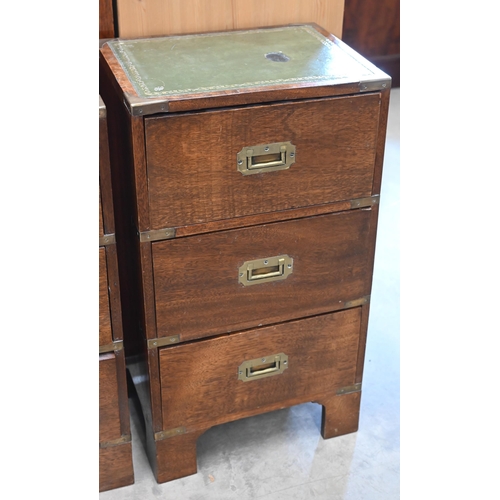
(192, 64)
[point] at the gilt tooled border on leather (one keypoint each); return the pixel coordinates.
(118, 49)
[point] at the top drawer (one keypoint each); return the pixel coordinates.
(192, 158)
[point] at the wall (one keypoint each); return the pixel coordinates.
(140, 18)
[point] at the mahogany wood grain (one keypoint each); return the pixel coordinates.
(196, 278)
(366, 307)
(115, 467)
(112, 304)
(106, 20)
(147, 287)
(340, 414)
(189, 285)
(106, 193)
(365, 314)
(372, 27)
(372, 235)
(122, 174)
(382, 132)
(101, 225)
(200, 386)
(197, 181)
(105, 333)
(114, 293)
(176, 457)
(121, 381)
(111, 70)
(199, 380)
(155, 388)
(145, 392)
(140, 175)
(115, 456)
(242, 97)
(135, 272)
(109, 413)
(254, 220)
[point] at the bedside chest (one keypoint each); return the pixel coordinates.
(246, 171)
(115, 448)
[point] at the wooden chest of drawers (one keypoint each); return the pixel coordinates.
(115, 448)
(246, 171)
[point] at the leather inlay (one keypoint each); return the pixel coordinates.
(168, 66)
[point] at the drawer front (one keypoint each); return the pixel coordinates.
(192, 159)
(201, 384)
(198, 288)
(105, 332)
(109, 412)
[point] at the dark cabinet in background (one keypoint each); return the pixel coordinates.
(371, 27)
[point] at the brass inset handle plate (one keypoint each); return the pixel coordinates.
(266, 366)
(265, 158)
(254, 272)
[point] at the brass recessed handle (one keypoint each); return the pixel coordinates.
(266, 366)
(265, 270)
(266, 158)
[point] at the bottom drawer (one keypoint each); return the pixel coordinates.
(209, 382)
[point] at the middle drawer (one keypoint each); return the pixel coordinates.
(232, 280)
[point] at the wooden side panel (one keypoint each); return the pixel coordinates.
(101, 225)
(124, 197)
(199, 381)
(169, 17)
(106, 21)
(196, 278)
(109, 413)
(114, 292)
(134, 275)
(197, 180)
(105, 333)
(382, 131)
(115, 467)
(105, 189)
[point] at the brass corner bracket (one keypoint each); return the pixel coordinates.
(107, 239)
(349, 389)
(157, 235)
(117, 345)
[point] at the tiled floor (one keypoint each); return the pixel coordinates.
(281, 455)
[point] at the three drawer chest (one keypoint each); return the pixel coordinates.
(246, 170)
